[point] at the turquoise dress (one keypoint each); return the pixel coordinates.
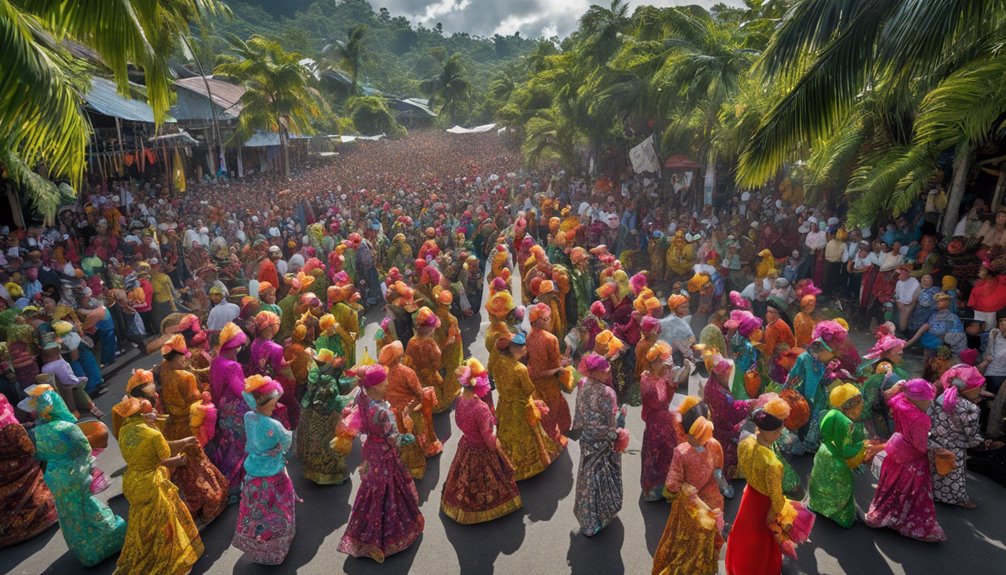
(806, 377)
(89, 527)
(745, 356)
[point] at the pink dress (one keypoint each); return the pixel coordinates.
(267, 359)
(660, 436)
(904, 497)
(480, 485)
(227, 448)
(385, 517)
(729, 415)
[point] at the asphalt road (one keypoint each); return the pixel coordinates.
(542, 537)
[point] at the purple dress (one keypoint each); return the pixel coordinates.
(660, 436)
(267, 359)
(904, 497)
(227, 448)
(385, 517)
(729, 415)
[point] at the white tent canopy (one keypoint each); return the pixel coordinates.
(475, 130)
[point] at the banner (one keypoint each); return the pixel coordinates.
(644, 157)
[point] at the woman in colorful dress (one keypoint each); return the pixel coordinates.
(519, 429)
(203, 487)
(661, 435)
(385, 517)
(602, 440)
(27, 503)
(904, 497)
(92, 532)
(342, 300)
(807, 377)
(843, 449)
(480, 485)
(955, 417)
(690, 544)
(753, 547)
(728, 414)
(266, 519)
(410, 402)
(925, 304)
(881, 370)
(545, 366)
(448, 335)
(267, 360)
(327, 394)
(161, 537)
(227, 448)
(424, 355)
(746, 330)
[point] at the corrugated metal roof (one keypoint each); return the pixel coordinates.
(412, 105)
(103, 97)
(224, 94)
(266, 139)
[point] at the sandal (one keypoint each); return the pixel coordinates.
(97, 413)
(969, 505)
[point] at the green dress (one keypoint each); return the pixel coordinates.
(832, 486)
(89, 527)
(326, 396)
(875, 410)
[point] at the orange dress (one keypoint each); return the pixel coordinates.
(423, 355)
(641, 348)
(403, 389)
(803, 329)
(299, 359)
(543, 355)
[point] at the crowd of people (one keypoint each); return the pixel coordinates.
(254, 294)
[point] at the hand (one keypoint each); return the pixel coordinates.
(150, 418)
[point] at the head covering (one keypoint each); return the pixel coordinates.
(844, 396)
(473, 375)
(232, 337)
(884, 344)
(130, 406)
(961, 377)
(919, 390)
(371, 375)
(701, 430)
(426, 318)
(829, 331)
(139, 378)
(390, 353)
(539, 311)
(500, 304)
(327, 323)
(593, 362)
(175, 344)
(649, 324)
(676, 300)
(6, 412)
(597, 308)
(659, 351)
(771, 416)
(744, 322)
(807, 301)
(445, 297)
(260, 389)
(264, 320)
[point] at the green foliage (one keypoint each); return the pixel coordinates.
(371, 116)
(449, 90)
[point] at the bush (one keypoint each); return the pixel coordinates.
(371, 116)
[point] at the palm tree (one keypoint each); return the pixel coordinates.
(449, 88)
(277, 97)
(833, 56)
(41, 123)
(550, 135)
(348, 55)
(601, 30)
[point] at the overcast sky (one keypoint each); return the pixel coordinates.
(531, 17)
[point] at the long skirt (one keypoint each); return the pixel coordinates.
(321, 464)
(160, 534)
(904, 500)
(480, 485)
(227, 448)
(751, 547)
(203, 487)
(385, 517)
(659, 440)
(598, 484)
(686, 548)
(266, 519)
(832, 489)
(529, 449)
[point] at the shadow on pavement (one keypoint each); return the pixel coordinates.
(655, 515)
(477, 546)
(601, 553)
(400, 563)
(541, 494)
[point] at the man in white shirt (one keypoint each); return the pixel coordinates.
(222, 312)
(906, 293)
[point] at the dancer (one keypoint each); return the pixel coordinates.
(662, 431)
(955, 428)
(327, 394)
(480, 485)
(904, 497)
(227, 447)
(547, 367)
(385, 517)
(267, 360)
(412, 405)
(161, 537)
(28, 505)
(728, 414)
(423, 355)
(267, 518)
(602, 440)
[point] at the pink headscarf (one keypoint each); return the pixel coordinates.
(738, 301)
(593, 362)
(884, 344)
(919, 390)
(6, 413)
(830, 331)
(960, 377)
(744, 321)
(371, 375)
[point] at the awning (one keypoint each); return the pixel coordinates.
(266, 139)
(104, 98)
(681, 162)
(348, 139)
(476, 130)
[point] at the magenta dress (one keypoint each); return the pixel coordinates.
(385, 517)
(227, 448)
(904, 497)
(729, 415)
(267, 359)
(660, 435)
(480, 485)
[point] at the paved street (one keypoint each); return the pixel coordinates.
(541, 538)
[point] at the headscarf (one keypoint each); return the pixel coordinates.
(701, 430)
(6, 412)
(744, 322)
(918, 390)
(659, 350)
(538, 311)
(175, 344)
(593, 362)
(47, 405)
(426, 318)
(771, 416)
(473, 375)
(884, 344)
(844, 396)
(130, 406)
(961, 377)
(264, 320)
(139, 378)
(371, 375)
(390, 353)
(231, 337)
(830, 331)
(676, 300)
(260, 389)
(649, 325)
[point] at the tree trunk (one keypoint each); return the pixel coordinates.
(285, 145)
(962, 165)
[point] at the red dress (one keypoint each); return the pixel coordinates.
(542, 355)
(751, 547)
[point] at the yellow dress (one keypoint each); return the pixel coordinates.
(349, 321)
(161, 538)
(494, 332)
(526, 444)
(452, 354)
(423, 355)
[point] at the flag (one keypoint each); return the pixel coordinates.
(644, 157)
